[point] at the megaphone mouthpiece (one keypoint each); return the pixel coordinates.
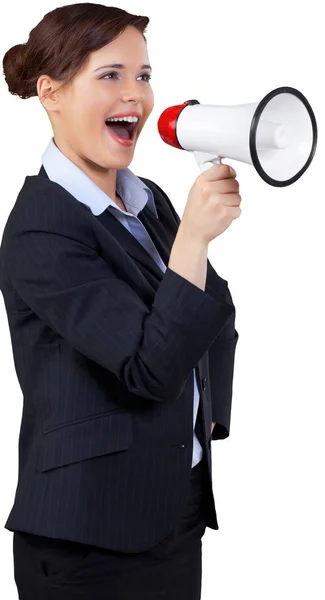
(167, 123)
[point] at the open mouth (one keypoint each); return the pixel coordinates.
(123, 129)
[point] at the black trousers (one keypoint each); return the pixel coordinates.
(52, 569)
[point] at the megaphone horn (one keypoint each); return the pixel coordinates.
(277, 135)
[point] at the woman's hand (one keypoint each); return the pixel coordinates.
(212, 205)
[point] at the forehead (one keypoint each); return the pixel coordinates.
(128, 48)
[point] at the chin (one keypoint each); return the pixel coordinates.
(116, 162)
(111, 160)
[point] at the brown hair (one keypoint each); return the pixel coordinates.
(61, 43)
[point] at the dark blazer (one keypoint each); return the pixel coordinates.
(104, 346)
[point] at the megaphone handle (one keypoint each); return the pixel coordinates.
(206, 160)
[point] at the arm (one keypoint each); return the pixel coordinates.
(221, 352)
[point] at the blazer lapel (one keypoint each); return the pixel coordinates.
(162, 232)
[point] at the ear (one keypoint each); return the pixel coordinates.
(47, 91)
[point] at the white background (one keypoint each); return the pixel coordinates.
(269, 474)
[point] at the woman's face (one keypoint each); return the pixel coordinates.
(99, 92)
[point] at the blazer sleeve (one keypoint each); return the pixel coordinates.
(221, 368)
(221, 353)
(152, 350)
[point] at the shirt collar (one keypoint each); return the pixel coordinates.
(134, 193)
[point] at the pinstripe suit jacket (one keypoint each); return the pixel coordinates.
(104, 346)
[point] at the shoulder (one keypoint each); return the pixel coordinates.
(43, 205)
(41, 199)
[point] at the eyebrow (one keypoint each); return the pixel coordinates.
(119, 66)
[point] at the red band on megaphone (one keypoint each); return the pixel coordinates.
(167, 124)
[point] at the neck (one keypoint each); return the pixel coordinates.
(105, 179)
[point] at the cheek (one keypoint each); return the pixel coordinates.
(96, 105)
(148, 104)
(150, 100)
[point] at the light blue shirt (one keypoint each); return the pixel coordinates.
(135, 195)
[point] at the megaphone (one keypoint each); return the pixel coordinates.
(277, 135)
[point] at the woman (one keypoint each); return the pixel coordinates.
(123, 335)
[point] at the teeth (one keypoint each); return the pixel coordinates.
(128, 119)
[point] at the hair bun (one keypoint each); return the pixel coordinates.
(60, 44)
(14, 65)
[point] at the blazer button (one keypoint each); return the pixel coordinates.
(204, 382)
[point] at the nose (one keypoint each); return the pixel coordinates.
(132, 92)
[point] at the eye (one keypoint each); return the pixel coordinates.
(148, 77)
(109, 74)
(115, 74)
